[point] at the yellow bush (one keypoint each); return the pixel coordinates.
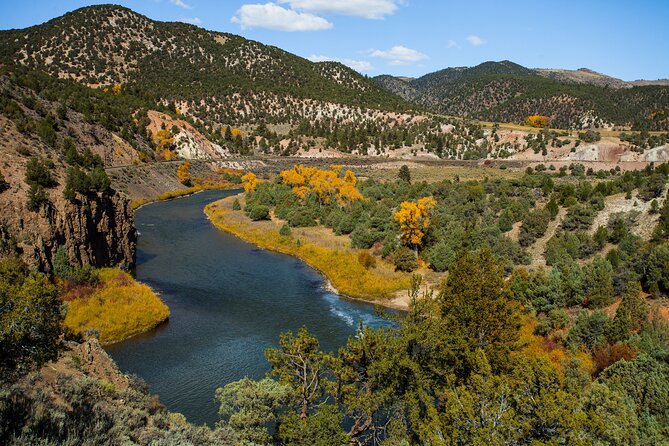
(538, 121)
(119, 308)
(539, 346)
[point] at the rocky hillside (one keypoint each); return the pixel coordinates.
(54, 191)
(584, 76)
(508, 92)
(209, 75)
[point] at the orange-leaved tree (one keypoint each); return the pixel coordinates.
(183, 172)
(250, 181)
(538, 121)
(414, 219)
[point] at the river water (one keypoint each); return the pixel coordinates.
(229, 301)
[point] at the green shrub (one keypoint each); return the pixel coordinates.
(578, 217)
(39, 172)
(405, 259)
(302, 217)
(257, 212)
(589, 136)
(36, 197)
(285, 230)
(364, 238)
(234, 179)
(534, 226)
(441, 257)
(236, 206)
(588, 330)
(78, 181)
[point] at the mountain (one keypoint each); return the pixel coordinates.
(582, 76)
(212, 75)
(507, 92)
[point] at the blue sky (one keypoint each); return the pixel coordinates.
(629, 40)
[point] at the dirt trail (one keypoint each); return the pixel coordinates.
(536, 250)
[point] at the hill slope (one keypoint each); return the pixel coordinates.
(211, 75)
(53, 190)
(508, 92)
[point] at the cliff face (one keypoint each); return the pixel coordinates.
(97, 231)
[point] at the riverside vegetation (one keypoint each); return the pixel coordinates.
(500, 353)
(573, 354)
(461, 367)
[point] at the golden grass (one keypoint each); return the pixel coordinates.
(529, 129)
(340, 265)
(119, 308)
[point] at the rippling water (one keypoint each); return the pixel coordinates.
(229, 302)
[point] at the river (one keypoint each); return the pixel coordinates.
(229, 301)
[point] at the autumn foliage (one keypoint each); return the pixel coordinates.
(539, 121)
(119, 308)
(414, 219)
(326, 184)
(250, 181)
(183, 172)
(164, 141)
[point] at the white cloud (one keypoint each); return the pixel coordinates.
(399, 55)
(475, 40)
(192, 20)
(451, 44)
(357, 65)
(369, 9)
(181, 4)
(273, 16)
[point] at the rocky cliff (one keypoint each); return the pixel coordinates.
(95, 228)
(98, 231)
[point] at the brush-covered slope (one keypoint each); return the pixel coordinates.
(508, 92)
(54, 192)
(211, 75)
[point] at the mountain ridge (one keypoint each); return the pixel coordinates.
(508, 92)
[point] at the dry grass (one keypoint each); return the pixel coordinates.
(433, 174)
(319, 248)
(119, 308)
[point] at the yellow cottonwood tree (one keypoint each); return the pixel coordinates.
(348, 192)
(183, 172)
(538, 121)
(325, 183)
(414, 219)
(250, 181)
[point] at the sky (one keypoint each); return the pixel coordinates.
(624, 39)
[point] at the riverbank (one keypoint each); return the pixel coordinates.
(139, 202)
(320, 249)
(118, 308)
